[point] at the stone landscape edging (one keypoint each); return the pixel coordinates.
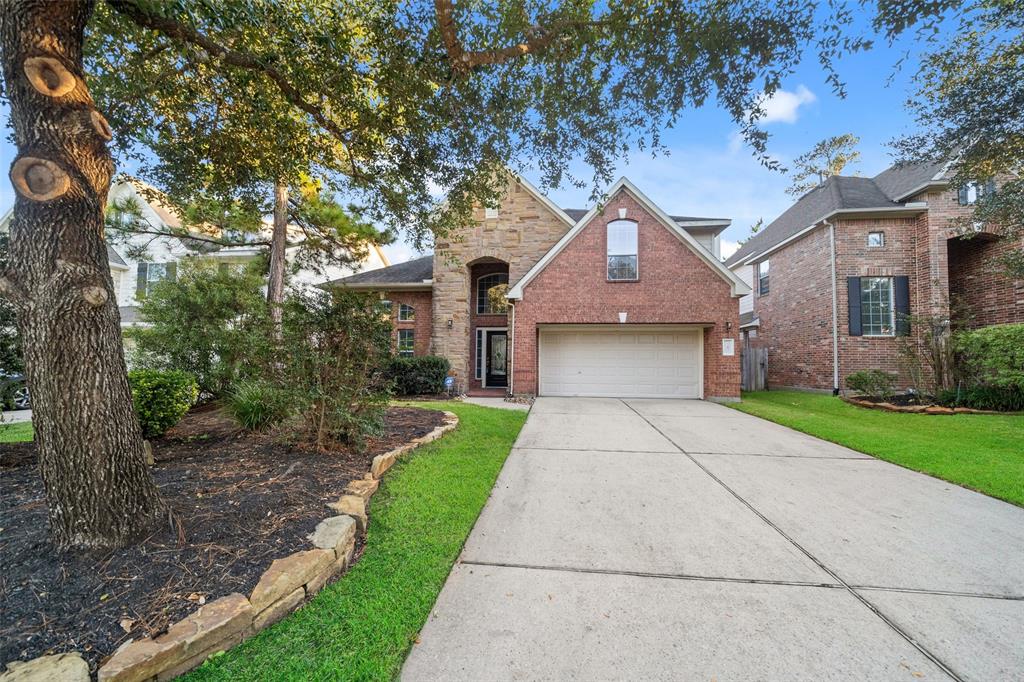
(918, 409)
(226, 622)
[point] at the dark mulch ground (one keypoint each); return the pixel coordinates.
(240, 501)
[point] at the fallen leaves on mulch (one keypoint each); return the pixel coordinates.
(239, 501)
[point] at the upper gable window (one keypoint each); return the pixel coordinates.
(876, 239)
(491, 213)
(622, 250)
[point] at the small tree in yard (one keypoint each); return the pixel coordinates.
(336, 363)
(210, 321)
(413, 96)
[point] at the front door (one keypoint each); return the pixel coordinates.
(497, 359)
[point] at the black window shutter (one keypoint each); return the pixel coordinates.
(962, 196)
(990, 187)
(853, 303)
(140, 282)
(902, 296)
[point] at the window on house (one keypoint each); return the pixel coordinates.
(406, 313)
(972, 191)
(877, 306)
(484, 305)
(876, 239)
(491, 213)
(762, 278)
(151, 273)
(385, 307)
(406, 342)
(622, 250)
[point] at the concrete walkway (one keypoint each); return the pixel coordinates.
(682, 540)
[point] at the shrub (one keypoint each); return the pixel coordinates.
(422, 375)
(338, 347)
(992, 356)
(871, 382)
(209, 322)
(161, 398)
(984, 398)
(258, 404)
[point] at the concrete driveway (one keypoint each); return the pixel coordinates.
(657, 539)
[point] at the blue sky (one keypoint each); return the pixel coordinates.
(708, 173)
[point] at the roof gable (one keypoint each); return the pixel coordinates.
(738, 287)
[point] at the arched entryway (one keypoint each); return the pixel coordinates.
(488, 325)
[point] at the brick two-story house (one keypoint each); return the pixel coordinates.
(838, 275)
(620, 300)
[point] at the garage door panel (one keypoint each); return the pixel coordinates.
(620, 363)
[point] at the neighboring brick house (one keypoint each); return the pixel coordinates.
(838, 275)
(621, 301)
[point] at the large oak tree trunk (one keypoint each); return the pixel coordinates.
(275, 282)
(99, 490)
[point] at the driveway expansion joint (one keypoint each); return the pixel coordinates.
(649, 574)
(856, 595)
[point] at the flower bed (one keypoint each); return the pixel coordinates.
(243, 502)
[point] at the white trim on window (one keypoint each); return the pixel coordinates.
(626, 246)
(406, 342)
(406, 313)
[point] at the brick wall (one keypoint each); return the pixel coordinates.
(796, 314)
(977, 283)
(421, 326)
(675, 287)
(524, 230)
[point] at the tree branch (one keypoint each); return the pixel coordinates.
(538, 38)
(177, 31)
(188, 236)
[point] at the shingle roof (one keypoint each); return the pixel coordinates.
(839, 192)
(114, 257)
(410, 272)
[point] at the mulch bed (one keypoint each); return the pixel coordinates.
(240, 500)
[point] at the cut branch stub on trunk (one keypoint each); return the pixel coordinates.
(39, 179)
(100, 125)
(48, 76)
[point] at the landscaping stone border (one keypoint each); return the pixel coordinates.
(919, 409)
(228, 621)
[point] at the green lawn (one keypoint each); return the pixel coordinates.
(16, 432)
(361, 627)
(980, 451)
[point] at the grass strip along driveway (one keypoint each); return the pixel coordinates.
(17, 432)
(362, 626)
(980, 451)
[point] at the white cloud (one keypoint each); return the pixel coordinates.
(728, 248)
(784, 106)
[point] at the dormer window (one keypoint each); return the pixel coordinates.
(622, 251)
(491, 213)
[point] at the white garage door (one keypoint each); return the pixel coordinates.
(626, 362)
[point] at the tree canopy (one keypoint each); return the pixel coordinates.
(825, 159)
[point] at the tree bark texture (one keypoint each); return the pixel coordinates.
(99, 490)
(275, 281)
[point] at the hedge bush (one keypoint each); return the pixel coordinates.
(871, 382)
(984, 398)
(418, 375)
(992, 356)
(257, 404)
(161, 398)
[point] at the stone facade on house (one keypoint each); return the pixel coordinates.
(946, 275)
(522, 231)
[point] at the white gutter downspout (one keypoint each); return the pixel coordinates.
(835, 308)
(511, 350)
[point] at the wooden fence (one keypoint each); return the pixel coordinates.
(754, 364)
